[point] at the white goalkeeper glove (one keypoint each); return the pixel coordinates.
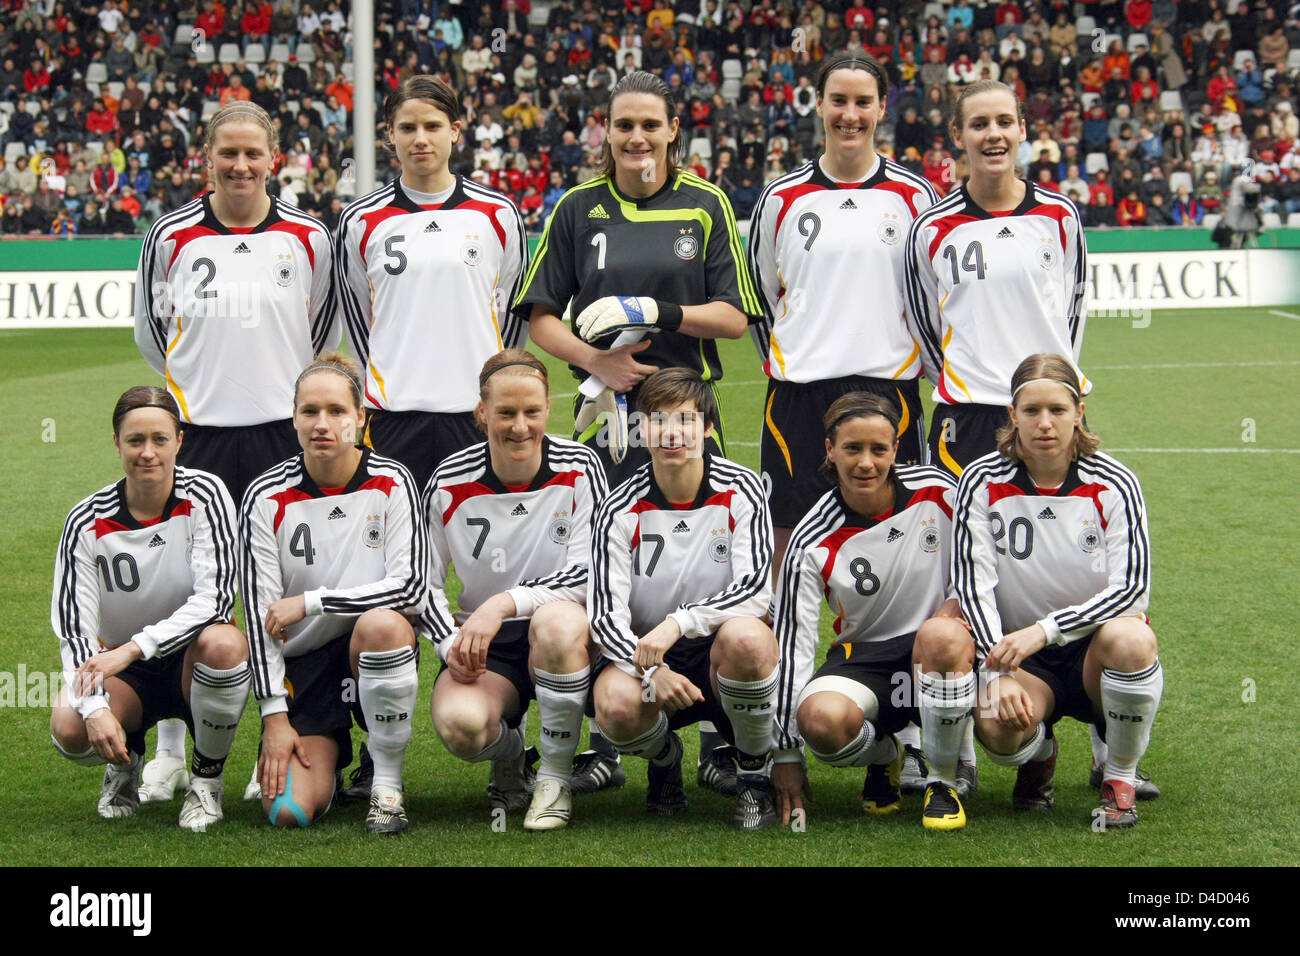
(612, 407)
(617, 313)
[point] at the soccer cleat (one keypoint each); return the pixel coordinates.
(359, 781)
(120, 796)
(968, 778)
(1145, 788)
(162, 777)
(594, 771)
(665, 795)
(755, 808)
(1117, 805)
(387, 813)
(551, 807)
(508, 783)
(915, 771)
(1035, 788)
(254, 789)
(880, 795)
(943, 809)
(202, 806)
(718, 773)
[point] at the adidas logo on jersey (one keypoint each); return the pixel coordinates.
(849, 204)
(519, 510)
(598, 213)
(336, 513)
(242, 247)
(894, 535)
(682, 528)
(1045, 514)
(1005, 233)
(156, 541)
(433, 227)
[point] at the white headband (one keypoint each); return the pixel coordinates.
(1052, 381)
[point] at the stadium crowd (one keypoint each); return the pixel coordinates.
(1142, 111)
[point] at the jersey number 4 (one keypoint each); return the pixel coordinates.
(971, 261)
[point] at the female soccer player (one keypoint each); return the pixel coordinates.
(822, 235)
(647, 246)
(878, 547)
(680, 579)
(427, 266)
(333, 558)
(232, 299)
(513, 516)
(994, 271)
(1053, 571)
(144, 593)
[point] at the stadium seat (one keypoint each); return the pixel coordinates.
(1211, 220)
(1293, 61)
(229, 53)
(1293, 220)
(210, 107)
(1095, 161)
(1111, 38)
(349, 71)
(538, 15)
(1271, 220)
(1085, 25)
(13, 151)
(1087, 99)
(7, 107)
(1180, 178)
(254, 68)
(1232, 6)
(935, 10)
(702, 146)
(306, 53)
(96, 72)
(1135, 38)
(115, 89)
(184, 32)
(279, 53)
(1171, 100)
(205, 55)
(1241, 56)
(732, 70)
(93, 88)
(255, 53)
(731, 90)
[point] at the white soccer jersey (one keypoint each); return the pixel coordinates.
(347, 550)
(159, 584)
(426, 292)
(882, 575)
(1069, 559)
(985, 290)
(229, 317)
(700, 565)
(828, 258)
(533, 542)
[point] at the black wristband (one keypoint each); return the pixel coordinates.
(670, 315)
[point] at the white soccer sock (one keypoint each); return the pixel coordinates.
(1130, 701)
(882, 751)
(652, 745)
(387, 685)
(217, 699)
(171, 737)
(945, 705)
(910, 736)
(751, 706)
(1098, 747)
(1037, 747)
(853, 754)
(560, 702)
(509, 744)
(967, 753)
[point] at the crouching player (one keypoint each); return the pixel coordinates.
(1053, 571)
(513, 515)
(878, 546)
(333, 564)
(680, 578)
(144, 592)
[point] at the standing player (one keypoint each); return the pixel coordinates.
(513, 515)
(645, 247)
(1053, 571)
(332, 552)
(427, 266)
(144, 592)
(232, 299)
(680, 579)
(878, 547)
(827, 251)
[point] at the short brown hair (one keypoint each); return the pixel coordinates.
(1057, 369)
(239, 111)
(423, 87)
(511, 362)
(340, 364)
(639, 81)
(144, 396)
(856, 405)
(673, 386)
(985, 86)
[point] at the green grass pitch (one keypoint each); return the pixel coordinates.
(1224, 561)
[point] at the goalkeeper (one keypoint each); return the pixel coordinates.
(649, 257)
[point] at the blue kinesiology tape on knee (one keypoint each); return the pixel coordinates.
(285, 801)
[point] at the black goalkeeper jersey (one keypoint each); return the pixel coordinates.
(680, 245)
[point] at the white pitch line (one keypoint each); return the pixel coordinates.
(1169, 365)
(1206, 451)
(1285, 315)
(743, 444)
